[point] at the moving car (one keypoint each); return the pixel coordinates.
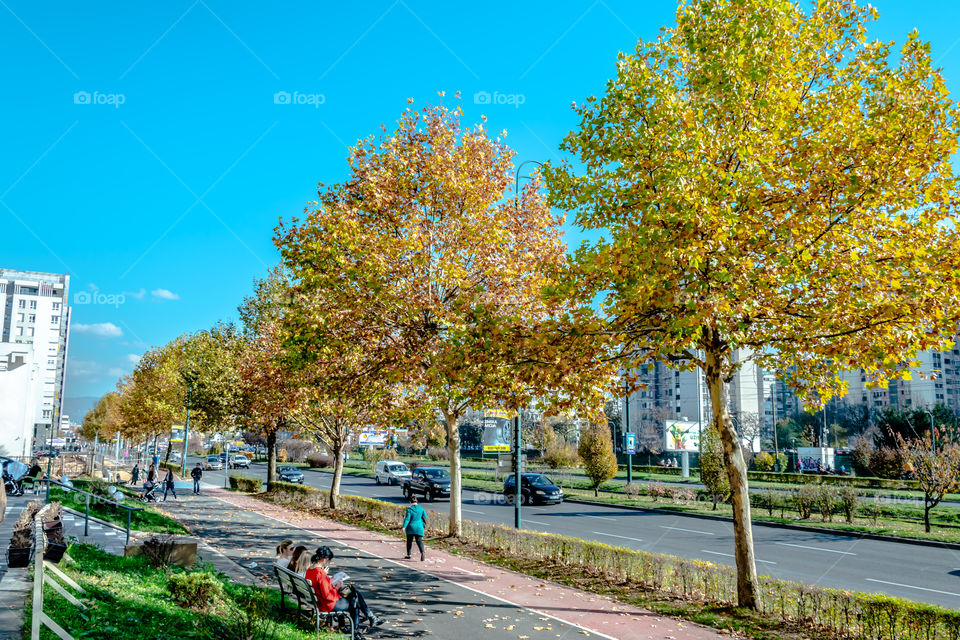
(391, 472)
(290, 474)
(239, 461)
(431, 482)
(212, 462)
(535, 488)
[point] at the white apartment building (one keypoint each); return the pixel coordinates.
(34, 337)
(671, 394)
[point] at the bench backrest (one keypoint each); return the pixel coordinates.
(297, 585)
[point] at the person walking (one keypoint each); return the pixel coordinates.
(152, 473)
(135, 475)
(168, 485)
(415, 525)
(196, 473)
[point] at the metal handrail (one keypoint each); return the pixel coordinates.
(86, 522)
(40, 618)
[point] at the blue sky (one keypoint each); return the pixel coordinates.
(149, 147)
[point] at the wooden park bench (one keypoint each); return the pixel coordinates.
(297, 587)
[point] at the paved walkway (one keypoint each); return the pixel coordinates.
(442, 597)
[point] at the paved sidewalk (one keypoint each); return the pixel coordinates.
(443, 597)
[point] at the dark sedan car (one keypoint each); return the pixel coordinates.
(535, 488)
(430, 482)
(290, 474)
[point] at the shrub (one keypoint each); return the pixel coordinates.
(713, 471)
(158, 550)
(769, 500)
(633, 490)
(764, 461)
(848, 498)
(861, 450)
(657, 490)
(886, 463)
(826, 500)
(281, 455)
(194, 589)
(561, 455)
(249, 618)
(246, 484)
(804, 500)
(438, 453)
(319, 460)
(373, 455)
(681, 495)
(297, 450)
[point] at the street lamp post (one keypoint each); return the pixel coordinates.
(626, 429)
(186, 434)
(517, 494)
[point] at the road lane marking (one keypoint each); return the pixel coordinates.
(612, 535)
(730, 555)
(472, 511)
(803, 546)
(473, 573)
(910, 586)
(705, 533)
(587, 515)
(542, 524)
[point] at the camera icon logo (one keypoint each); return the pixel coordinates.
(481, 97)
(81, 298)
(81, 97)
(281, 97)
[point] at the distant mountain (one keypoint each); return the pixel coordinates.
(76, 408)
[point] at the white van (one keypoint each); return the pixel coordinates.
(391, 472)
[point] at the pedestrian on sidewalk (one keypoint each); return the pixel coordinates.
(135, 475)
(343, 597)
(152, 473)
(168, 485)
(415, 526)
(196, 473)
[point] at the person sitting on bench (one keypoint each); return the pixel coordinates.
(341, 597)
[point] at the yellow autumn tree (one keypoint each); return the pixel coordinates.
(770, 185)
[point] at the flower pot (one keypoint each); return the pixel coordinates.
(53, 525)
(54, 552)
(18, 557)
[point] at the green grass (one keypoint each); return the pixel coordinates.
(150, 519)
(127, 599)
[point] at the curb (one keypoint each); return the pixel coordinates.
(778, 525)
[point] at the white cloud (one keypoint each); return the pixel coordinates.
(136, 294)
(164, 294)
(133, 358)
(103, 330)
(116, 372)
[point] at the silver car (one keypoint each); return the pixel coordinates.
(391, 472)
(212, 462)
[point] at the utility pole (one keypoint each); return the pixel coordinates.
(626, 429)
(776, 447)
(517, 494)
(186, 436)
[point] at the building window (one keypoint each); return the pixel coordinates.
(19, 317)
(23, 304)
(52, 363)
(32, 317)
(46, 414)
(56, 306)
(33, 304)
(55, 320)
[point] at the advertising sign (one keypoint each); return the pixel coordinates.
(496, 430)
(630, 443)
(373, 437)
(682, 436)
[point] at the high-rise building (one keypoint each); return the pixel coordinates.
(34, 336)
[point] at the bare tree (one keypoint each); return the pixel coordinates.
(935, 463)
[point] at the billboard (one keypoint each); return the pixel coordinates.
(496, 430)
(682, 436)
(373, 437)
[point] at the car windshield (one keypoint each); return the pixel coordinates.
(398, 467)
(213, 459)
(436, 474)
(287, 469)
(538, 480)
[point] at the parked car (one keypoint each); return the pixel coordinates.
(239, 461)
(391, 472)
(47, 453)
(431, 482)
(290, 474)
(535, 488)
(212, 462)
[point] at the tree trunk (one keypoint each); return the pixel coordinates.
(453, 442)
(739, 491)
(337, 473)
(271, 460)
(926, 515)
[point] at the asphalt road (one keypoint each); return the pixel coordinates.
(926, 574)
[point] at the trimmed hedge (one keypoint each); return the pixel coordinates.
(848, 481)
(172, 466)
(246, 484)
(857, 616)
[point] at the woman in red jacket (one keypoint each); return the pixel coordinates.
(330, 599)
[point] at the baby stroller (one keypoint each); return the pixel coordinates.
(149, 492)
(12, 486)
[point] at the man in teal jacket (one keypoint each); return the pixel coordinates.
(415, 525)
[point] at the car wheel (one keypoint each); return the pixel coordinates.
(525, 500)
(378, 480)
(406, 493)
(428, 496)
